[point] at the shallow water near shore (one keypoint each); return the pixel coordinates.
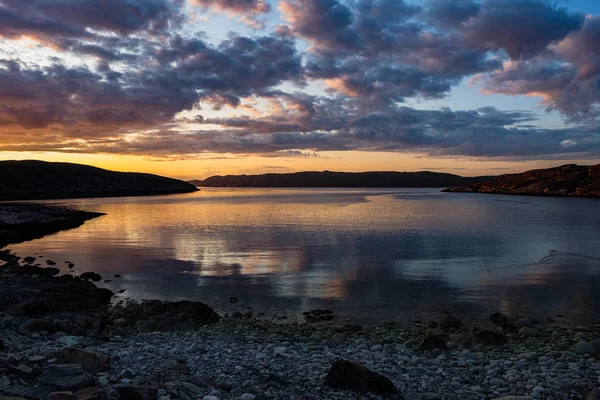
(370, 255)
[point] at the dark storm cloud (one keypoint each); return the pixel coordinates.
(567, 76)
(450, 13)
(72, 17)
(523, 28)
(235, 6)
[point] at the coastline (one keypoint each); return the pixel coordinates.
(184, 350)
(24, 222)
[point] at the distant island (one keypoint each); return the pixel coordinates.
(569, 180)
(36, 180)
(383, 179)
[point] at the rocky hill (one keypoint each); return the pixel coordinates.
(31, 180)
(340, 179)
(567, 180)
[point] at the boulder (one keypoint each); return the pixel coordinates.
(489, 338)
(523, 322)
(594, 395)
(348, 375)
(64, 377)
(498, 318)
(154, 315)
(91, 361)
(432, 342)
(449, 321)
(96, 393)
(582, 348)
(91, 276)
(528, 332)
(136, 392)
(62, 396)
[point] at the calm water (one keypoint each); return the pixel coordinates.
(370, 255)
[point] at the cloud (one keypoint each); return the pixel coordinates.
(523, 28)
(567, 76)
(236, 7)
(71, 18)
(125, 70)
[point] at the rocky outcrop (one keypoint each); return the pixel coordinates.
(157, 316)
(51, 304)
(22, 222)
(347, 375)
(30, 180)
(568, 180)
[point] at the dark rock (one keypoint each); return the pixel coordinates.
(96, 393)
(489, 338)
(347, 375)
(449, 321)
(567, 180)
(62, 396)
(233, 299)
(90, 360)
(22, 371)
(105, 295)
(498, 318)
(594, 395)
(91, 276)
(136, 392)
(155, 315)
(117, 276)
(65, 377)
(432, 342)
(1, 345)
(50, 262)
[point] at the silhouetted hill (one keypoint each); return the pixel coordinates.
(30, 180)
(339, 179)
(566, 180)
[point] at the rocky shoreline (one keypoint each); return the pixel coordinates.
(23, 222)
(61, 337)
(565, 181)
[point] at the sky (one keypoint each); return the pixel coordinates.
(194, 88)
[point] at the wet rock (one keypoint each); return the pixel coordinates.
(65, 377)
(523, 322)
(347, 375)
(318, 315)
(449, 321)
(582, 348)
(489, 338)
(528, 332)
(22, 371)
(432, 342)
(62, 396)
(136, 392)
(233, 299)
(96, 393)
(89, 360)
(91, 276)
(498, 318)
(70, 340)
(594, 395)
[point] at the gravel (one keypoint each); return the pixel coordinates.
(255, 359)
